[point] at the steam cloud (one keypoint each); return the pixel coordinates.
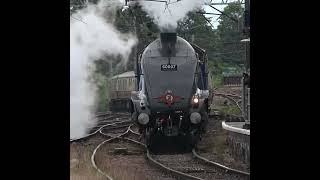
(167, 17)
(91, 38)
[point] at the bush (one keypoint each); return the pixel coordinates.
(217, 80)
(231, 110)
(102, 84)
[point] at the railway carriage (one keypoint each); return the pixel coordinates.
(120, 91)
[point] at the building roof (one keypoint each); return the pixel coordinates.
(124, 75)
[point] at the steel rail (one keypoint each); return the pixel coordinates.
(88, 135)
(218, 165)
(181, 174)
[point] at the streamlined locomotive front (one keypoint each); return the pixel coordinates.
(169, 101)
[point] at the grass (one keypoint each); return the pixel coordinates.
(220, 145)
(103, 96)
(102, 92)
(122, 169)
(116, 166)
(231, 110)
(217, 81)
(82, 169)
(215, 143)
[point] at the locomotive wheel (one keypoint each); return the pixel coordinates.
(194, 139)
(152, 139)
(191, 139)
(149, 139)
(134, 116)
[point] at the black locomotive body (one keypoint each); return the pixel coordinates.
(173, 92)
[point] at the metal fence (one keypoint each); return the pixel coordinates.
(233, 80)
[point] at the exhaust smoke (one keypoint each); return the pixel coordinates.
(92, 37)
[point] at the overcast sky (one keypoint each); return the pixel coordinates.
(208, 9)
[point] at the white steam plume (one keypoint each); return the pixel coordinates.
(167, 17)
(92, 37)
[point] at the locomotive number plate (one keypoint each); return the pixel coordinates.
(169, 67)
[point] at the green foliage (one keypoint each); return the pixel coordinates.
(102, 91)
(218, 80)
(229, 47)
(222, 45)
(135, 21)
(103, 100)
(195, 29)
(231, 110)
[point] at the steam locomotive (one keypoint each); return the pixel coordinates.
(172, 93)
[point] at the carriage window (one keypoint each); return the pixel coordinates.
(112, 85)
(134, 84)
(122, 84)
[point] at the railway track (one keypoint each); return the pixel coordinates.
(224, 94)
(107, 121)
(182, 166)
(223, 167)
(116, 136)
(230, 97)
(174, 164)
(188, 166)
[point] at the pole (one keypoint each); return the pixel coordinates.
(247, 64)
(111, 69)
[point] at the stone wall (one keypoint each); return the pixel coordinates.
(240, 145)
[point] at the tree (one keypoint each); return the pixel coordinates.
(230, 34)
(195, 28)
(134, 20)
